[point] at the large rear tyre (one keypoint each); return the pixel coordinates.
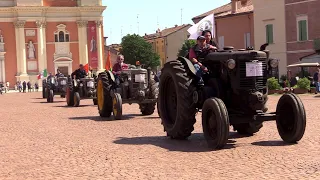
(104, 99)
(291, 118)
(50, 96)
(44, 95)
(175, 96)
(95, 101)
(76, 99)
(117, 106)
(215, 123)
(70, 94)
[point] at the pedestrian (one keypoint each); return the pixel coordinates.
(29, 86)
(315, 80)
(8, 86)
(318, 82)
(36, 86)
(24, 86)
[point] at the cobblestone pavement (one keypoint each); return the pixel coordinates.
(51, 141)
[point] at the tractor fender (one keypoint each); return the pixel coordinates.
(189, 64)
(111, 75)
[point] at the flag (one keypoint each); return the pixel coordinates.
(108, 62)
(206, 23)
(45, 73)
(86, 67)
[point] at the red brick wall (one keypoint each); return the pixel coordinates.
(60, 3)
(310, 9)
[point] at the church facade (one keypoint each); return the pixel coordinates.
(46, 35)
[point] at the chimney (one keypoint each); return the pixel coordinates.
(234, 4)
(105, 40)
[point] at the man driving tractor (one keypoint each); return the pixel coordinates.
(79, 73)
(120, 65)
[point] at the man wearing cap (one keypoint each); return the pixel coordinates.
(79, 73)
(199, 52)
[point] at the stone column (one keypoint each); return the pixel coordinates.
(41, 46)
(100, 46)
(21, 47)
(44, 40)
(17, 48)
(82, 36)
(3, 70)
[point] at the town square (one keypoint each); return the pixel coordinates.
(225, 91)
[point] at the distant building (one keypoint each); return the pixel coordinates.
(302, 28)
(168, 42)
(45, 34)
(270, 27)
(113, 52)
(233, 23)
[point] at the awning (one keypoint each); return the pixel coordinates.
(305, 65)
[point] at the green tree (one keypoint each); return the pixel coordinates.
(186, 46)
(135, 48)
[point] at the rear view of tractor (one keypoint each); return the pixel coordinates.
(233, 93)
(54, 86)
(134, 85)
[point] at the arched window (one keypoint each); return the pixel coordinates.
(61, 35)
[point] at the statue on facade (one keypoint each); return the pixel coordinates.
(31, 50)
(93, 45)
(1, 37)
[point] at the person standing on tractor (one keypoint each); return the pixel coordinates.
(209, 39)
(198, 52)
(79, 73)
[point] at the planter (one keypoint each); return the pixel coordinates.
(312, 90)
(272, 91)
(300, 91)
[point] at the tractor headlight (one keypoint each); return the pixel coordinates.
(231, 64)
(274, 63)
(140, 78)
(90, 84)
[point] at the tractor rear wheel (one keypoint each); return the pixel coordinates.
(104, 99)
(69, 94)
(148, 108)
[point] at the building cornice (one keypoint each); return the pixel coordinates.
(53, 9)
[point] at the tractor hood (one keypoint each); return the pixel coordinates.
(239, 54)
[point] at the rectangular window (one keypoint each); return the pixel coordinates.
(221, 42)
(247, 40)
(302, 30)
(269, 33)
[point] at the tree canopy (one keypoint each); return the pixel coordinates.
(186, 46)
(136, 48)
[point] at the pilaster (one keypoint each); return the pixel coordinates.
(100, 46)
(21, 47)
(42, 61)
(3, 70)
(83, 42)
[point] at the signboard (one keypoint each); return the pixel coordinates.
(92, 44)
(254, 69)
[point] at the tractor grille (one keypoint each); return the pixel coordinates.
(258, 82)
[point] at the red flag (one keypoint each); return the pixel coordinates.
(108, 62)
(86, 68)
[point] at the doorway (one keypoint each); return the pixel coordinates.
(64, 70)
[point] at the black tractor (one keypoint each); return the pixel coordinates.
(77, 89)
(133, 85)
(233, 93)
(54, 86)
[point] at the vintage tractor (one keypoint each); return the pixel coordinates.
(133, 85)
(233, 93)
(55, 86)
(77, 89)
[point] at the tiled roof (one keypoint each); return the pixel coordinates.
(165, 32)
(227, 10)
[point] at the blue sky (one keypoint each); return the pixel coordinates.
(121, 14)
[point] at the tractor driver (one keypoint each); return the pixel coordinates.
(79, 73)
(59, 74)
(120, 65)
(198, 52)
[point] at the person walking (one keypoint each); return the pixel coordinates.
(24, 86)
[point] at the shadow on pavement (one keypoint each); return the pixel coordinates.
(45, 102)
(272, 143)
(65, 106)
(38, 98)
(195, 143)
(111, 118)
(316, 96)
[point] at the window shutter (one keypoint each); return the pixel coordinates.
(303, 30)
(269, 33)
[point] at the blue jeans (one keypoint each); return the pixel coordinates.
(317, 86)
(199, 72)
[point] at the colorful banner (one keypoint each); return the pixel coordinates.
(92, 44)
